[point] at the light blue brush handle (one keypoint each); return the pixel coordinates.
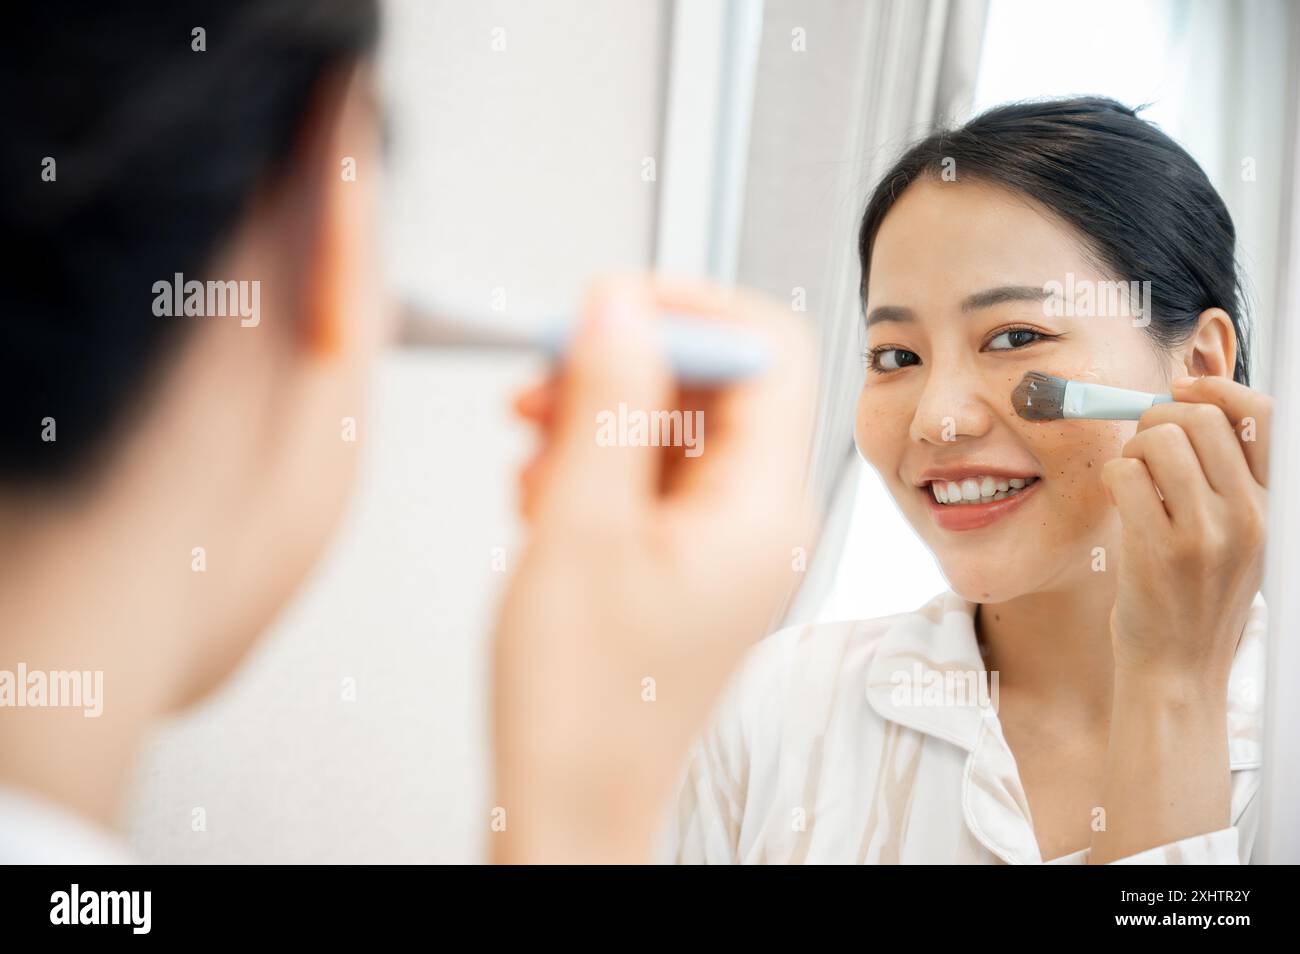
(1101, 402)
(700, 351)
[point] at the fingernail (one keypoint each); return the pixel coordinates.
(1184, 382)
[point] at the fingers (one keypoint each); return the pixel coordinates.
(758, 430)
(536, 404)
(614, 359)
(1204, 456)
(530, 481)
(1166, 451)
(1249, 412)
(1218, 452)
(753, 437)
(1134, 494)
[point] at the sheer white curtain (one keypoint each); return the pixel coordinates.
(841, 86)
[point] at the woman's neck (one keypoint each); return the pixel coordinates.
(1054, 645)
(95, 624)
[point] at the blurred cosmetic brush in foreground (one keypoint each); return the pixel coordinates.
(701, 352)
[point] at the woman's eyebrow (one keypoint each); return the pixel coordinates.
(1003, 294)
(889, 313)
(982, 299)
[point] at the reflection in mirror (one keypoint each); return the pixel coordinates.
(1022, 599)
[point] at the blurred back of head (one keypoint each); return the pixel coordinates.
(135, 137)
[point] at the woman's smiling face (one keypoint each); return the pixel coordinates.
(956, 316)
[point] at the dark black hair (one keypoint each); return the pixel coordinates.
(1144, 207)
(158, 147)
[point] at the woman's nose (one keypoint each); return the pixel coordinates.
(952, 406)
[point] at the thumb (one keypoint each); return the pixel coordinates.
(614, 368)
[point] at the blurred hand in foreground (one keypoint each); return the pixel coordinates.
(649, 572)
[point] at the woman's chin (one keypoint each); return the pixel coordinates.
(980, 587)
(987, 570)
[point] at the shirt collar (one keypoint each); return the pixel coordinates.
(936, 647)
(933, 650)
(928, 674)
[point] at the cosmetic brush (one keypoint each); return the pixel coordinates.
(699, 351)
(1042, 397)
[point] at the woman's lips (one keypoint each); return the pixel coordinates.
(973, 516)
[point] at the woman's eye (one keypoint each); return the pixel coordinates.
(1014, 338)
(891, 359)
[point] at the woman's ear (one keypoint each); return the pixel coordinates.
(1212, 349)
(342, 250)
(327, 211)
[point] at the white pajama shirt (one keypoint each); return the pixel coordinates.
(815, 756)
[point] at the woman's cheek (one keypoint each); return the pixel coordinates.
(1073, 454)
(880, 431)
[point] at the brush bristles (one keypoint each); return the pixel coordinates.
(1039, 397)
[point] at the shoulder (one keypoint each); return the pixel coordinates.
(818, 650)
(806, 673)
(36, 831)
(783, 696)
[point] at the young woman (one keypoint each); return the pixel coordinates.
(1103, 575)
(167, 479)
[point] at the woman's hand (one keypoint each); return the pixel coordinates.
(649, 572)
(1190, 489)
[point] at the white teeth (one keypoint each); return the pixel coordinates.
(978, 489)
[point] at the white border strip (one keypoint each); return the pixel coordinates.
(1278, 841)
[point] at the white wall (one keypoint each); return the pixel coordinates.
(515, 169)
